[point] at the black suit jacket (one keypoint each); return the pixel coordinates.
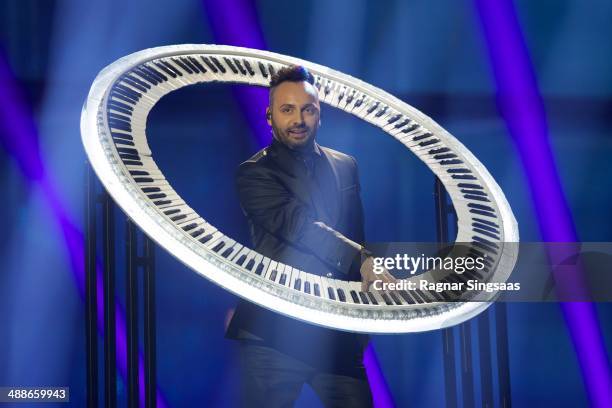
(289, 226)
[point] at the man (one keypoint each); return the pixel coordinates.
(303, 206)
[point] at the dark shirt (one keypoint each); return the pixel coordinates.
(306, 212)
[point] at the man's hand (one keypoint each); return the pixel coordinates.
(368, 276)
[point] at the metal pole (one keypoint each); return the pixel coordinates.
(131, 289)
(448, 339)
(149, 323)
(110, 361)
(486, 375)
(503, 363)
(91, 333)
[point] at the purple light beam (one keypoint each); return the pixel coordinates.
(523, 110)
(19, 137)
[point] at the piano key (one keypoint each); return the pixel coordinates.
(271, 271)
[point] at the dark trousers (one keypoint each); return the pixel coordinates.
(273, 379)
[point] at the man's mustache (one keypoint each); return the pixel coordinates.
(298, 129)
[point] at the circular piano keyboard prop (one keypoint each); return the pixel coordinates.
(113, 129)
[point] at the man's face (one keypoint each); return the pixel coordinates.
(295, 114)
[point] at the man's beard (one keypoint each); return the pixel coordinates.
(286, 138)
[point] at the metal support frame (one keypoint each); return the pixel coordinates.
(464, 335)
(100, 204)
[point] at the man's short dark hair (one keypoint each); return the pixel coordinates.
(291, 73)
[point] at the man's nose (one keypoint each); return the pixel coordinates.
(298, 118)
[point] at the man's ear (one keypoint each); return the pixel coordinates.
(269, 116)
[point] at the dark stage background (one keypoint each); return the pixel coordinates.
(436, 56)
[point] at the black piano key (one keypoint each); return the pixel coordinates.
(417, 296)
(317, 290)
(421, 137)
(402, 123)
(429, 142)
(438, 151)
(218, 64)
(119, 109)
(481, 207)
(218, 247)
(241, 260)
(178, 217)
(118, 116)
(450, 162)
(172, 211)
(197, 232)
(463, 177)
(486, 222)
(273, 274)
(205, 238)
(250, 265)
(410, 128)
(445, 156)
(127, 91)
(341, 95)
(473, 192)
(394, 118)
(239, 66)
(227, 252)
(477, 198)
(145, 75)
(373, 107)
(381, 112)
(132, 163)
(458, 171)
(120, 106)
(372, 298)
(135, 84)
(395, 298)
(407, 297)
(355, 297)
(364, 298)
(209, 64)
(197, 64)
(386, 298)
(341, 295)
(125, 157)
(230, 64)
(143, 179)
(164, 68)
(248, 67)
(297, 285)
(189, 227)
(259, 268)
(307, 287)
(137, 81)
(485, 227)
(183, 66)
(271, 69)
(123, 142)
(331, 294)
(468, 185)
(262, 69)
(157, 74)
(150, 190)
(171, 68)
(120, 124)
(283, 279)
(124, 98)
(138, 172)
(359, 101)
(351, 97)
(327, 88)
(424, 295)
(188, 63)
(485, 241)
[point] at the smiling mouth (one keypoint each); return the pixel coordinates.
(298, 132)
